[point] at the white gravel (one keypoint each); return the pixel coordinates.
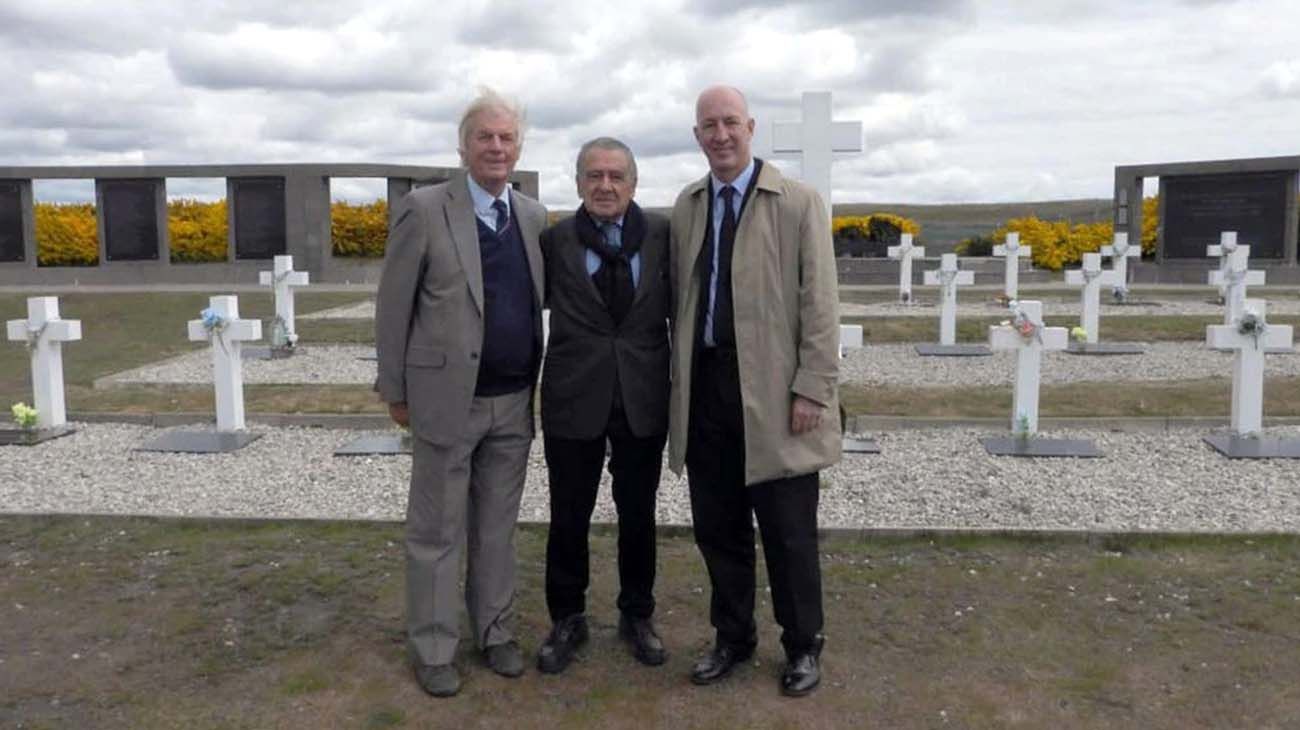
(939, 478)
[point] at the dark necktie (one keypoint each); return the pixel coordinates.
(723, 313)
(622, 288)
(503, 217)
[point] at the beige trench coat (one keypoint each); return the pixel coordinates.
(786, 305)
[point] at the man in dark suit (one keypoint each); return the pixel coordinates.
(605, 379)
(459, 338)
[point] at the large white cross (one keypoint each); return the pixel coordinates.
(1227, 244)
(282, 280)
(1013, 252)
(850, 337)
(46, 333)
(1029, 360)
(948, 278)
(227, 368)
(816, 139)
(1248, 364)
(1233, 280)
(1091, 277)
(904, 252)
(1120, 252)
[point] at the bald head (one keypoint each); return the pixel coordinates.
(724, 130)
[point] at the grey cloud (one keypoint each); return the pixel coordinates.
(518, 25)
(844, 10)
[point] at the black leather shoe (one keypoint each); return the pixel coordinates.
(564, 639)
(440, 680)
(718, 664)
(803, 672)
(641, 636)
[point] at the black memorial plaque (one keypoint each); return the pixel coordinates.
(259, 218)
(11, 222)
(130, 219)
(1040, 447)
(1199, 207)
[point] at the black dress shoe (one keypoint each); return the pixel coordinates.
(803, 672)
(440, 680)
(640, 634)
(564, 639)
(719, 663)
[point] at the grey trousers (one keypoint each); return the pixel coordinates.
(466, 495)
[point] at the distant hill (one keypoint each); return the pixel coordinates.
(944, 226)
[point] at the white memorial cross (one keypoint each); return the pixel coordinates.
(1012, 251)
(1120, 252)
(1030, 339)
(904, 252)
(1227, 244)
(1091, 277)
(948, 278)
(282, 280)
(222, 327)
(850, 337)
(816, 139)
(1250, 335)
(44, 332)
(1234, 280)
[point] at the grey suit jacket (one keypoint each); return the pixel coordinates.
(588, 353)
(429, 310)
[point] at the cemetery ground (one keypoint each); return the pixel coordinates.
(128, 330)
(128, 622)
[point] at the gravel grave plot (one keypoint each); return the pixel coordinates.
(934, 478)
(1163, 361)
(975, 305)
(871, 365)
(309, 365)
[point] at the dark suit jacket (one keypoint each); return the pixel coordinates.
(429, 309)
(587, 353)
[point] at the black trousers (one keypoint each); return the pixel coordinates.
(723, 510)
(573, 467)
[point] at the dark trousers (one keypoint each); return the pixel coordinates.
(573, 467)
(723, 510)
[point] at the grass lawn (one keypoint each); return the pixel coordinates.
(113, 622)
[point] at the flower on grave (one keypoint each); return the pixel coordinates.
(212, 320)
(905, 297)
(1119, 294)
(280, 334)
(1079, 333)
(24, 415)
(1251, 323)
(1022, 425)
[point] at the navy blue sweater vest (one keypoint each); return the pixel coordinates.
(509, 351)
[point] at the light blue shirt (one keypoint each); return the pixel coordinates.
(593, 258)
(483, 202)
(741, 184)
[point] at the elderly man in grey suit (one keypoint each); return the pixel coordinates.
(459, 337)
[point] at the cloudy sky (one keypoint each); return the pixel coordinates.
(961, 100)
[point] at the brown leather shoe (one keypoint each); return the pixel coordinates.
(439, 680)
(644, 641)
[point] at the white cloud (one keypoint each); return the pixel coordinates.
(1282, 79)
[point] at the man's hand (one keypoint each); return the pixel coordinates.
(805, 415)
(399, 413)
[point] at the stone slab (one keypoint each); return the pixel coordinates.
(1238, 447)
(861, 446)
(932, 349)
(200, 442)
(1105, 348)
(380, 445)
(31, 437)
(1012, 446)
